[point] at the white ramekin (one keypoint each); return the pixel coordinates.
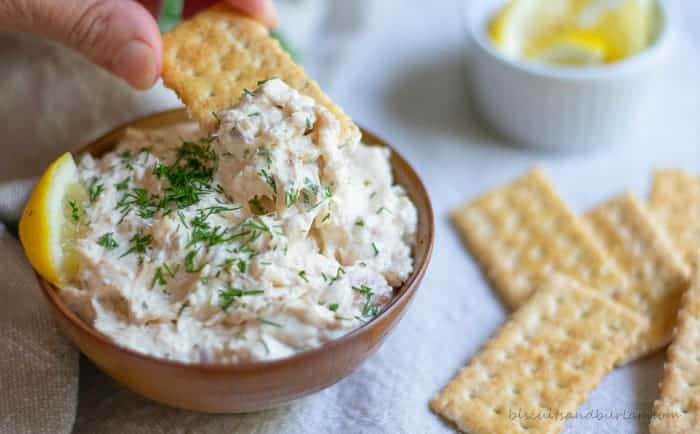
(556, 107)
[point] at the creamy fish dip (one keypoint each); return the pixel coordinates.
(267, 238)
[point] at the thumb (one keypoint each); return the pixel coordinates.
(118, 35)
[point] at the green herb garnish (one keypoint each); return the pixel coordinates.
(229, 296)
(268, 322)
(158, 277)
(290, 197)
(269, 179)
(122, 185)
(189, 263)
(74, 211)
(139, 243)
(94, 190)
(302, 274)
(374, 247)
(333, 307)
(107, 241)
(338, 274)
(368, 309)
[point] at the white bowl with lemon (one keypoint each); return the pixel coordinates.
(566, 75)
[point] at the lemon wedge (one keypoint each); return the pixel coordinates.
(51, 221)
(573, 32)
(573, 49)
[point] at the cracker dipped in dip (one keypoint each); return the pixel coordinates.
(268, 237)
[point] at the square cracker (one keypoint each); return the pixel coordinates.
(677, 411)
(212, 58)
(523, 230)
(543, 362)
(656, 274)
(675, 202)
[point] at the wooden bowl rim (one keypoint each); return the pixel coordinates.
(174, 116)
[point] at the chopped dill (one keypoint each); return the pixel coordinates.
(290, 197)
(122, 185)
(107, 241)
(269, 179)
(74, 211)
(302, 274)
(376, 250)
(139, 243)
(95, 189)
(189, 263)
(228, 296)
(268, 322)
(158, 277)
(368, 309)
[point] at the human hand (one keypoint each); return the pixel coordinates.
(121, 36)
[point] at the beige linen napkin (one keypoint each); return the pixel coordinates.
(38, 367)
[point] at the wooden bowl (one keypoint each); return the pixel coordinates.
(251, 386)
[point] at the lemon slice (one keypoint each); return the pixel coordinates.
(574, 49)
(522, 23)
(51, 221)
(573, 32)
(628, 29)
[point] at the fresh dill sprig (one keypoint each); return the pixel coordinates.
(95, 189)
(158, 277)
(338, 274)
(228, 296)
(74, 211)
(145, 204)
(290, 197)
(139, 243)
(189, 263)
(376, 250)
(368, 309)
(302, 274)
(122, 185)
(107, 241)
(269, 179)
(190, 176)
(268, 322)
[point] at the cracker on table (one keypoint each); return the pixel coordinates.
(675, 202)
(543, 362)
(523, 230)
(212, 58)
(656, 274)
(677, 411)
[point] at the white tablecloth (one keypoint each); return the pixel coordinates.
(403, 78)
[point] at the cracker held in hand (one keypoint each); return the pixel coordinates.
(524, 229)
(212, 58)
(542, 364)
(677, 411)
(675, 202)
(656, 274)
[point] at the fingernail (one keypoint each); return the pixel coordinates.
(135, 62)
